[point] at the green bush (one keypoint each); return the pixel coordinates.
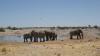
(14, 28)
(4, 50)
(96, 26)
(2, 30)
(9, 27)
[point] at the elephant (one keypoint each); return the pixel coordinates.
(38, 35)
(26, 37)
(54, 36)
(78, 33)
(34, 35)
(41, 36)
(50, 35)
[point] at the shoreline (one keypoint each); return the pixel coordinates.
(89, 46)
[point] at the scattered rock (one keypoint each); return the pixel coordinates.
(97, 38)
(90, 40)
(93, 46)
(4, 50)
(58, 54)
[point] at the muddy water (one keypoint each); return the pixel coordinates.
(11, 38)
(19, 38)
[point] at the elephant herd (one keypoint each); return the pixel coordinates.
(40, 36)
(47, 36)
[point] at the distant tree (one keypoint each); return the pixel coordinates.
(14, 28)
(2, 30)
(73, 27)
(52, 28)
(95, 26)
(89, 26)
(58, 27)
(19, 28)
(9, 27)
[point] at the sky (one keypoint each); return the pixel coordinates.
(27, 13)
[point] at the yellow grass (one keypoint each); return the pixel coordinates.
(89, 46)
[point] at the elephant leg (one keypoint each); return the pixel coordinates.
(43, 39)
(50, 37)
(40, 39)
(24, 39)
(53, 38)
(31, 39)
(82, 36)
(34, 39)
(56, 38)
(71, 37)
(47, 38)
(77, 37)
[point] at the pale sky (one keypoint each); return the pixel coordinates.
(49, 12)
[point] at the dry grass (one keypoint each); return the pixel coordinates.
(89, 46)
(4, 50)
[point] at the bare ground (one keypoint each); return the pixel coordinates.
(89, 46)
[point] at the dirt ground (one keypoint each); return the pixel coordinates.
(89, 46)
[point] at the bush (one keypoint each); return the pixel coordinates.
(9, 27)
(2, 30)
(12, 28)
(96, 26)
(4, 50)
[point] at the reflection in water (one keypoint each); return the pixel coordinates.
(11, 39)
(2, 38)
(18, 38)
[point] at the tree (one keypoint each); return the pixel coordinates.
(2, 30)
(95, 26)
(14, 28)
(9, 27)
(89, 26)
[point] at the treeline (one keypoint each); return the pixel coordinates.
(2, 30)
(13, 28)
(10, 28)
(52, 28)
(83, 27)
